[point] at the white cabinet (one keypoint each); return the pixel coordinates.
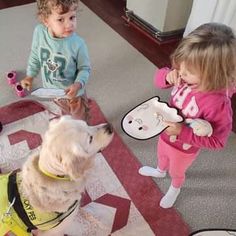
(161, 17)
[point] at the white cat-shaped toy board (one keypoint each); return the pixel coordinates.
(215, 232)
(146, 120)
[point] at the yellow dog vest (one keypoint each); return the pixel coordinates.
(18, 216)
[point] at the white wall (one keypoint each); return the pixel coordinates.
(221, 11)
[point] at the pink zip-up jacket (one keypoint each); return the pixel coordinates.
(214, 107)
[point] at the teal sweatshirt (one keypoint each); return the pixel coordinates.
(62, 61)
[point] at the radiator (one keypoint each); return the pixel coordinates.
(161, 18)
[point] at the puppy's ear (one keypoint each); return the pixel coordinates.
(76, 164)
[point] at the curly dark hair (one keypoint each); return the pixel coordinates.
(45, 6)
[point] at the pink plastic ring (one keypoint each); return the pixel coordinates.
(19, 90)
(11, 77)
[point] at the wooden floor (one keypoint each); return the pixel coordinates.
(112, 11)
(13, 3)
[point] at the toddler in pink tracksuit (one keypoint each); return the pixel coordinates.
(203, 78)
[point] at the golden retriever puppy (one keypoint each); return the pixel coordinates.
(47, 192)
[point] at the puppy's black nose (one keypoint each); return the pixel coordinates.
(109, 128)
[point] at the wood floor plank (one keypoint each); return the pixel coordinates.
(13, 3)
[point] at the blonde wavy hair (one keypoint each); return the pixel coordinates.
(45, 7)
(210, 53)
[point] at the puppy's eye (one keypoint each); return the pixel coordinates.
(90, 139)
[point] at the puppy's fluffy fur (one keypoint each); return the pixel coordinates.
(68, 148)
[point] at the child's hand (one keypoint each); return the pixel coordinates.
(173, 128)
(173, 78)
(27, 82)
(72, 90)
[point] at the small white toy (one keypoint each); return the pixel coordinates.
(200, 127)
(146, 120)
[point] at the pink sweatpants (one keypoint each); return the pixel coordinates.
(174, 161)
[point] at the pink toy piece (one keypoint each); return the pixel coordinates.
(11, 77)
(19, 90)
